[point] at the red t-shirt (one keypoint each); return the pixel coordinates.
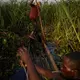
(34, 12)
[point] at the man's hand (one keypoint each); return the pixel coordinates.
(23, 53)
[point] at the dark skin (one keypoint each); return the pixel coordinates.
(24, 54)
(33, 70)
(45, 72)
(70, 70)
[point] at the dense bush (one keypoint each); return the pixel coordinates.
(61, 23)
(9, 44)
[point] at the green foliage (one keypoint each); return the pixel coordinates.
(64, 28)
(9, 43)
(15, 26)
(61, 22)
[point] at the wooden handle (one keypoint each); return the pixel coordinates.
(45, 46)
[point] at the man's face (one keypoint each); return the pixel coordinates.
(69, 68)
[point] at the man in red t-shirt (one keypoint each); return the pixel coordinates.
(34, 14)
(34, 11)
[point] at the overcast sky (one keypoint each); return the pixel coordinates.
(37, 0)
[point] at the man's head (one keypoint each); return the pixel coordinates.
(71, 65)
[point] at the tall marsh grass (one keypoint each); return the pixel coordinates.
(61, 23)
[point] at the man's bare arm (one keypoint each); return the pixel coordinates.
(33, 70)
(33, 75)
(45, 72)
